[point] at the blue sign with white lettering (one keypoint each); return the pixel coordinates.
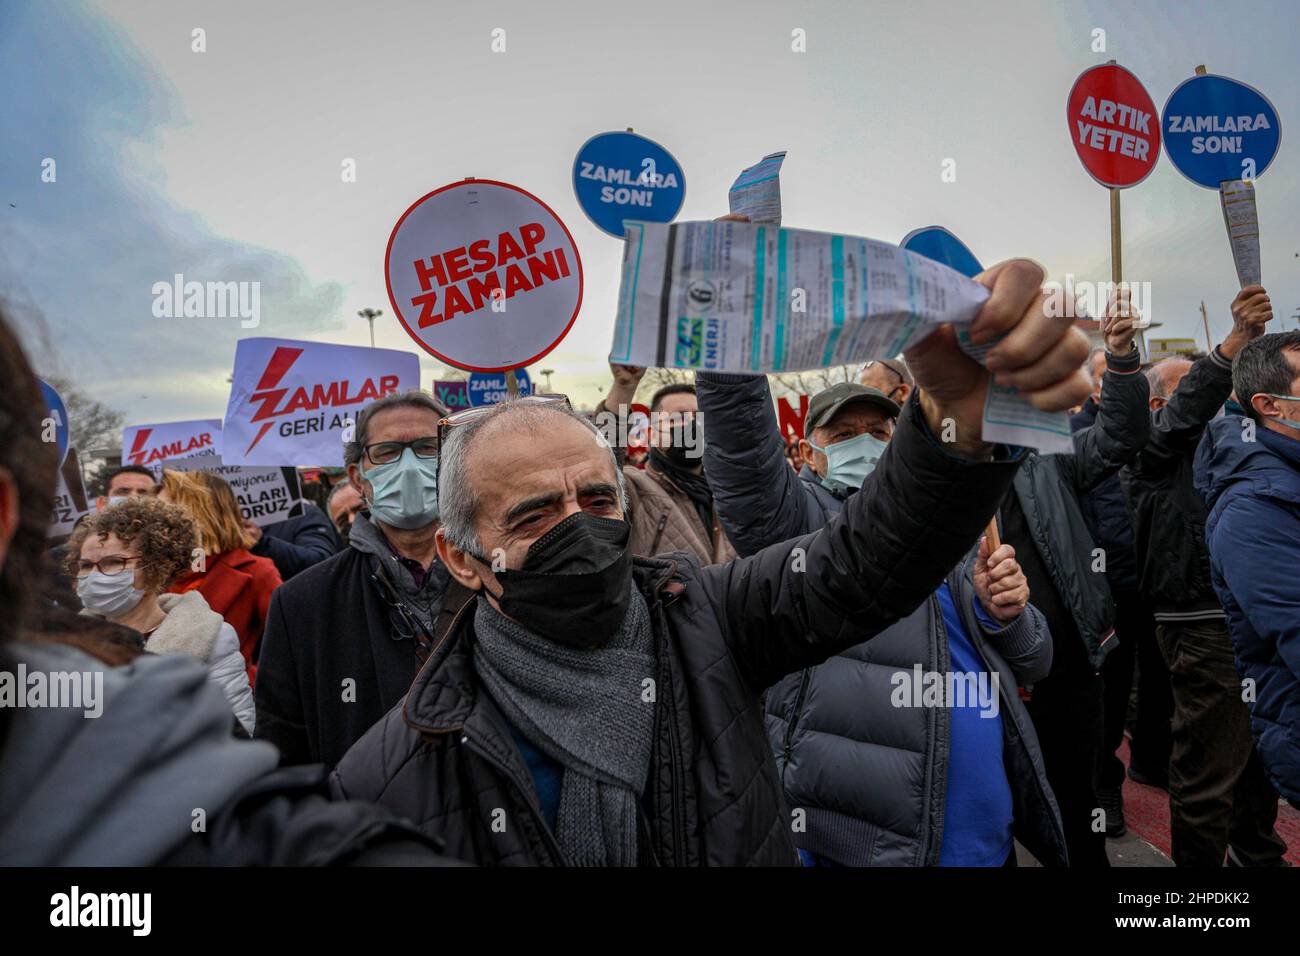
(57, 414)
(619, 176)
(937, 243)
(1216, 129)
(489, 388)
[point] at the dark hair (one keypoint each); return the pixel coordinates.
(32, 465)
(1261, 367)
(412, 398)
(676, 388)
(127, 470)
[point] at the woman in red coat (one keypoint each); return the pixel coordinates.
(235, 583)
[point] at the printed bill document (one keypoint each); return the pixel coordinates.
(744, 297)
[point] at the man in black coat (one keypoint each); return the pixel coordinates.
(345, 637)
(295, 544)
(591, 708)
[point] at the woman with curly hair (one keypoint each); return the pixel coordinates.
(123, 559)
(236, 583)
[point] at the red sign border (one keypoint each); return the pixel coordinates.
(1068, 118)
(388, 251)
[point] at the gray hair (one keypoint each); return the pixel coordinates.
(457, 501)
(414, 398)
(1157, 375)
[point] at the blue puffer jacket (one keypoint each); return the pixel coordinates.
(871, 777)
(1253, 532)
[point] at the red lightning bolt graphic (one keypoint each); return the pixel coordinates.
(282, 360)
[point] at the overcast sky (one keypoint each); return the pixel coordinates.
(225, 165)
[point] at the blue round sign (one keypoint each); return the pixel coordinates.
(57, 413)
(1216, 129)
(619, 176)
(937, 243)
(489, 388)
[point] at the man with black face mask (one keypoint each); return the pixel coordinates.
(591, 707)
(670, 504)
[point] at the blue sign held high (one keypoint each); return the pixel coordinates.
(937, 243)
(489, 388)
(619, 176)
(1216, 129)
(56, 412)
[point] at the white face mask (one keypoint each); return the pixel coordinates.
(117, 500)
(111, 595)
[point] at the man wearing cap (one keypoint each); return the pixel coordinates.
(876, 771)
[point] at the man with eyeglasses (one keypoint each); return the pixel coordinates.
(345, 637)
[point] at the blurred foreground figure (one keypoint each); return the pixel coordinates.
(119, 765)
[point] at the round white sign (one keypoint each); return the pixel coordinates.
(483, 275)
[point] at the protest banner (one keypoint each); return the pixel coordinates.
(454, 396)
(483, 275)
(756, 193)
(55, 426)
(490, 388)
(295, 403)
(1113, 126)
(937, 243)
(740, 297)
(70, 501)
(1218, 129)
(624, 175)
(147, 444)
(790, 419)
(266, 495)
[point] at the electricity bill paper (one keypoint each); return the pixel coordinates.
(1238, 199)
(756, 193)
(741, 297)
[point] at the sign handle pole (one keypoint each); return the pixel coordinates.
(512, 384)
(1116, 253)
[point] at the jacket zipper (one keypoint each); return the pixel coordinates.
(796, 714)
(501, 768)
(663, 523)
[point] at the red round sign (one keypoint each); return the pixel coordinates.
(1114, 126)
(483, 275)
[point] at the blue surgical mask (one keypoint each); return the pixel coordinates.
(117, 500)
(1286, 421)
(849, 462)
(111, 595)
(404, 492)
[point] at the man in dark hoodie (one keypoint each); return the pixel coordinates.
(1217, 798)
(130, 759)
(1248, 469)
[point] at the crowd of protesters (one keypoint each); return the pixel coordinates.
(507, 637)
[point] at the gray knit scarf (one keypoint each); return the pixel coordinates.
(584, 709)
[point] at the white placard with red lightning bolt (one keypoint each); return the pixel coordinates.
(292, 403)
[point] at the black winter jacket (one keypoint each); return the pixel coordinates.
(297, 543)
(333, 623)
(1049, 489)
(1106, 512)
(1168, 512)
(445, 759)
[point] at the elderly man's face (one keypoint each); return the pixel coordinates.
(525, 487)
(1171, 374)
(344, 505)
(880, 376)
(850, 422)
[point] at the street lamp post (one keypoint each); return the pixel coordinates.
(548, 372)
(370, 315)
